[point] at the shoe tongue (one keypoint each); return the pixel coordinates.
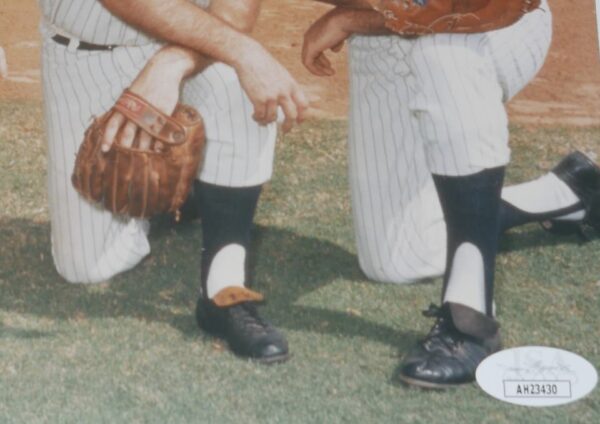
(230, 296)
(472, 322)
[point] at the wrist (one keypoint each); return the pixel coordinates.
(359, 21)
(176, 62)
(342, 18)
(244, 52)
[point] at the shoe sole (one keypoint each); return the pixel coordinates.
(427, 384)
(270, 360)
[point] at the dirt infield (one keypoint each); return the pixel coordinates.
(566, 92)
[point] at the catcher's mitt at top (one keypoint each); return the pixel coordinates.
(141, 182)
(420, 17)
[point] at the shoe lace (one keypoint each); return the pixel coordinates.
(247, 315)
(432, 311)
(437, 335)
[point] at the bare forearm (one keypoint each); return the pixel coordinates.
(191, 32)
(241, 15)
(185, 62)
(179, 62)
(183, 23)
(363, 22)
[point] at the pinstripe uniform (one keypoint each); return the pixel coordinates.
(434, 104)
(90, 245)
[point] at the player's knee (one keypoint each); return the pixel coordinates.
(76, 274)
(460, 112)
(75, 267)
(83, 275)
(460, 152)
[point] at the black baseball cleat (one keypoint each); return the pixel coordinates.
(448, 357)
(232, 316)
(582, 175)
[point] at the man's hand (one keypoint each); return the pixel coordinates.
(266, 82)
(331, 30)
(269, 86)
(158, 83)
(327, 33)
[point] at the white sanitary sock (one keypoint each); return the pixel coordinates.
(466, 284)
(227, 269)
(545, 194)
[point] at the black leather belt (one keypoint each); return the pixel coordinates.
(83, 45)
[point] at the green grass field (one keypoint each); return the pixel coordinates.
(129, 350)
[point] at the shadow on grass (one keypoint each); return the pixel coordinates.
(532, 237)
(285, 266)
(163, 288)
(20, 333)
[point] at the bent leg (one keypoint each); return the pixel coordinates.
(399, 229)
(461, 112)
(399, 225)
(518, 53)
(89, 245)
(238, 160)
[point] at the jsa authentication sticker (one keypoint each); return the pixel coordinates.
(536, 376)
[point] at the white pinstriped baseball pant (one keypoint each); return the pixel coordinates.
(90, 245)
(434, 104)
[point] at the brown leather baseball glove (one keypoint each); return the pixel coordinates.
(142, 182)
(420, 17)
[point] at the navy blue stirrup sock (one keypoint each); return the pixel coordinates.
(471, 206)
(227, 215)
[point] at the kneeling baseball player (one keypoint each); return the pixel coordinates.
(428, 146)
(98, 53)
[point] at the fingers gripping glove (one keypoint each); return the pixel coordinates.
(136, 181)
(420, 17)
